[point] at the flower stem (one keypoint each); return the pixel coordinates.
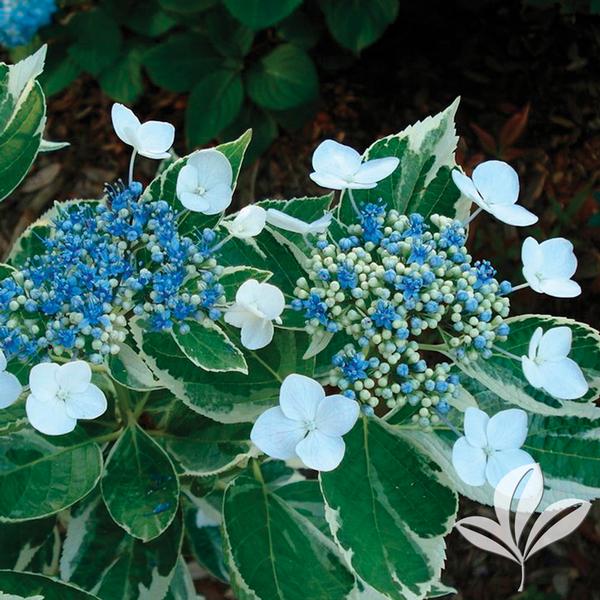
(442, 348)
(506, 353)
(522, 286)
(353, 202)
(131, 163)
(472, 216)
(221, 243)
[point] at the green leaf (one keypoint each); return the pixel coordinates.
(504, 376)
(233, 277)
(41, 475)
(91, 51)
(356, 24)
(98, 555)
(193, 54)
(187, 6)
(214, 103)
(182, 585)
(128, 369)
(123, 81)
(232, 39)
(21, 541)
(199, 446)
(48, 146)
(278, 533)
(299, 29)
(259, 14)
(46, 559)
(225, 397)
(140, 485)
(27, 585)
(60, 71)
(147, 18)
(208, 347)
(422, 181)
(389, 507)
(13, 417)
(283, 79)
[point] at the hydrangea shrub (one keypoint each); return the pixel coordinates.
(293, 395)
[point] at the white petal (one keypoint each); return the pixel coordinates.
(194, 202)
(321, 224)
(467, 188)
(271, 300)
(555, 343)
(187, 180)
(497, 182)
(336, 415)
(249, 222)
(248, 293)
(531, 255)
(284, 221)
(333, 182)
(469, 462)
(237, 315)
(3, 361)
(10, 389)
(336, 159)
(257, 333)
(375, 170)
(300, 396)
(502, 462)
(218, 198)
(507, 429)
(88, 404)
(534, 342)
(155, 138)
(43, 382)
(74, 377)
(559, 260)
(513, 215)
(560, 288)
(321, 452)
(125, 123)
(49, 416)
(475, 427)
(276, 435)
(213, 168)
(532, 372)
(563, 379)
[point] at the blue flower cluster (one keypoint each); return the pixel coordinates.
(403, 288)
(103, 263)
(21, 19)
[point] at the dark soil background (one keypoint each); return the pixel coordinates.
(529, 79)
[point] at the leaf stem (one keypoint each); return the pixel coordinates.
(123, 398)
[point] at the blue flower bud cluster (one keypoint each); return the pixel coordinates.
(103, 264)
(21, 19)
(403, 288)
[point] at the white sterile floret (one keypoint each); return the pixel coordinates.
(256, 306)
(152, 139)
(284, 221)
(61, 394)
(549, 266)
(10, 388)
(494, 187)
(205, 183)
(248, 223)
(490, 448)
(339, 167)
(307, 424)
(548, 366)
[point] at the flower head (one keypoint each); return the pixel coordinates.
(21, 19)
(548, 366)
(340, 167)
(307, 424)
(248, 223)
(549, 266)
(205, 183)
(10, 387)
(284, 221)
(62, 394)
(256, 306)
(490, 448)
(495, 188)
(152, 139)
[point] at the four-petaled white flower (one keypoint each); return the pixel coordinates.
(205, 183)
(152, 139)
(284, 221)
(61, 394)
(307, 424)
(548, 366)
(10, 388)
(339, 167)
(490, 448)
(248, 223)
(494, 187)
(256, 306)
(549, 266)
